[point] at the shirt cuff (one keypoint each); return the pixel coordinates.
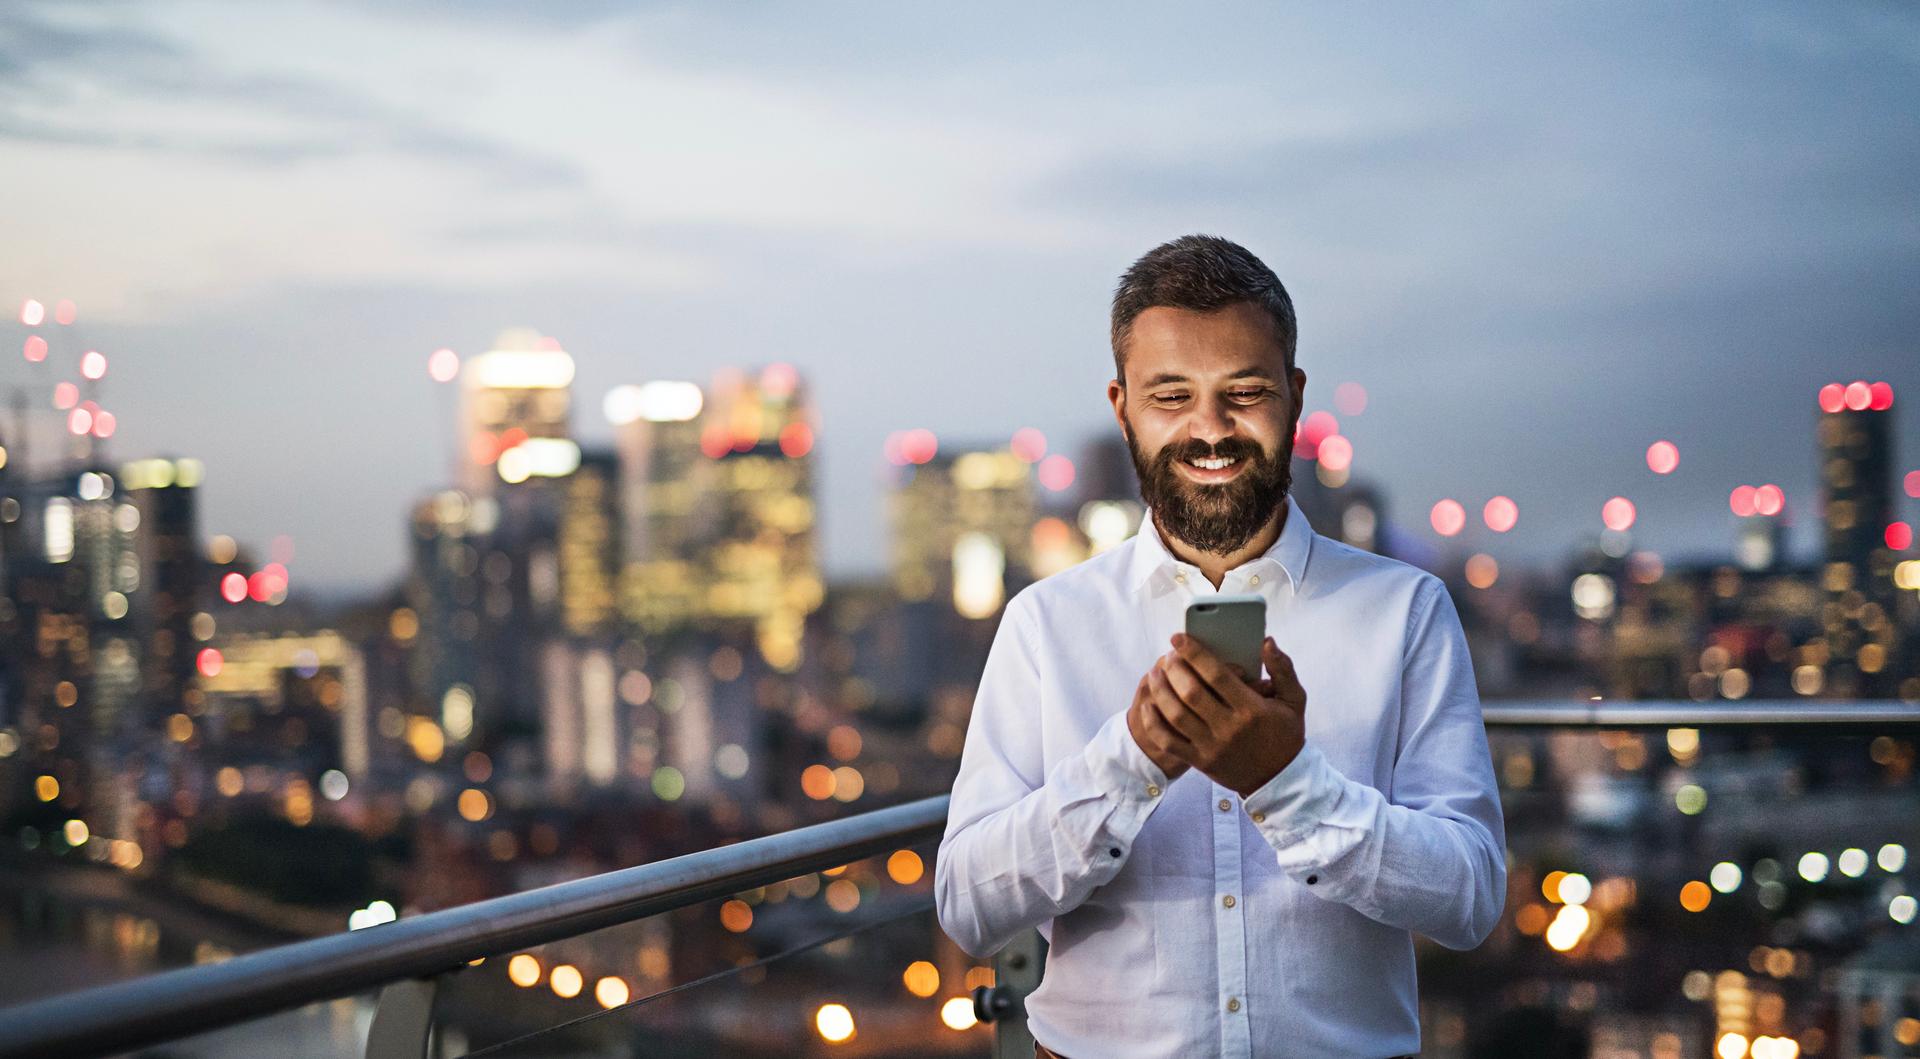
(1120, 767)
(1296, 799)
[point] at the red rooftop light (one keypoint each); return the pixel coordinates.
(1618, 514)
(1448, 517)
(1742, 501)
(1833, 397)
(1859, 395)
(1899, 536)
(1663, 457)
(1501, 513)
(1881, 396)
(1769, 500)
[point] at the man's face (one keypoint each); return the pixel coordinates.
(1208, 410)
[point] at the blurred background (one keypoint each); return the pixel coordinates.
(448, 449)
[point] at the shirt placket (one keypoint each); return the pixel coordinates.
(1230, 910)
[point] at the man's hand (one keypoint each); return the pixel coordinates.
(1238, 733)
(1156, 738)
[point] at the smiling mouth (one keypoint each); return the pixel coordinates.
(1212, 468)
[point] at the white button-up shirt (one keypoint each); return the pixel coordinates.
(1182, 919)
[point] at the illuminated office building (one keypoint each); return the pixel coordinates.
(664, 480)
(962, 525)
(761, 561)
(515, 396)
(299, 697)
(589, 543)
(1856, 479)
(454, 583)
(167, 604)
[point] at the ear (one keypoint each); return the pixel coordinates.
(1117, 396)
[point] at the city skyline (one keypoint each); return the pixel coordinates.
(1724, 232)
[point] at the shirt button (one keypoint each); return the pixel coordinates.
(1153, 790)
(1225, 805)
(1227, 901)
(1311, 879)
(1233, 1003)
(1259, 818)
(1181, 578)
(1254, 580)
(1114, 852)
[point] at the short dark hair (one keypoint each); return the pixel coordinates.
(1201, 273)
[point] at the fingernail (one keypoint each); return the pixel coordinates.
(1179, 638)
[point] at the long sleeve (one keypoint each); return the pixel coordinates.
(1433, 859)
(1020, 848)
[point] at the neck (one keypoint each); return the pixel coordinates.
(1213, 565)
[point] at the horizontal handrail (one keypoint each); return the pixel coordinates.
(170, 1005)
(1682, 714)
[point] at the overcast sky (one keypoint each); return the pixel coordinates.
(1541, 239)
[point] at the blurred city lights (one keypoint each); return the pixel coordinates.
(1852, 862)
(834, 1022)
(566, 981)
(1617, 514)
(1336, 453)
(1482, 570)
(65, 311)
(1575, 889)
(32, 313)
(1882, 396)
(93, 364)
(35, 349)
(1741, 501)
(209, 661)
(1859, 396)
(921, 978)
(1901, 909)
(1731, 1046)
(1695, 896)
(233, 587)
(1833, 397)
(1500, 514)
(65, 395)
(958, 1014)
(1056, 473)
(1912, 483)
(1663, 457)
(1899, 536)
(1029, 444)
(1448, 517)
(1813, 867)
(1690, 799)
(796, 440)
(1768, 500)
(1350, 398)
(611, 991)
(1568, 926)
(905, 867)
(1892, 858)
(443, 365)
(524, 970)
(1725, 877)
(918, 446)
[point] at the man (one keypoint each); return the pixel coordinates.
(1220, 867)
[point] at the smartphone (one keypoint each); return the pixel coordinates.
(1232, 627)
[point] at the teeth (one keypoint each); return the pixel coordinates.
(1212, 463)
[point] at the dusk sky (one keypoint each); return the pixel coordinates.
(1541, 239)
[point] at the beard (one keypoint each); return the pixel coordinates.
(1218, 518)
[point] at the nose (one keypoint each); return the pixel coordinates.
(1211, 420)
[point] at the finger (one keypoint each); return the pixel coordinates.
(1163, 734)
(1199, 697)
(1285, 680)
(1225, 681)
(1166, 702)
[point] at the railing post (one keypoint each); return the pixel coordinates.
(1016, 973)
(403, 1020)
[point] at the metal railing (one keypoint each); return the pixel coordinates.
(407, 958)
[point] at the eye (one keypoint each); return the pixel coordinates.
(1249, 395)
(1169, 398)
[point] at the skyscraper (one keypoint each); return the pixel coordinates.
(1856, 479)
(962, 526)
(665, 479)
(761, 556)
(515, 393)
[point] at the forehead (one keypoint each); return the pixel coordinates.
(1202, 345)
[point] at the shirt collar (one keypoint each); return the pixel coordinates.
(1289, 553)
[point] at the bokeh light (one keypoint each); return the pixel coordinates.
(1617, 514)
(443, 365)
(1833, 397)
(1448, 517)
(1336, 453)
(1500, 514)
(958, 1014)
(65, 311)
(1769, 500)
(1663, 457)
(1741, 501)
(1056, 473)
(32, 313)
(834, 1022)
(921, 978)
(1482, 571)
(1350, 398)
(93, 364)
(1029, 444)
(35, 349)
(1899, 536)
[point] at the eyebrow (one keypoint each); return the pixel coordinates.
(1247, 372)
